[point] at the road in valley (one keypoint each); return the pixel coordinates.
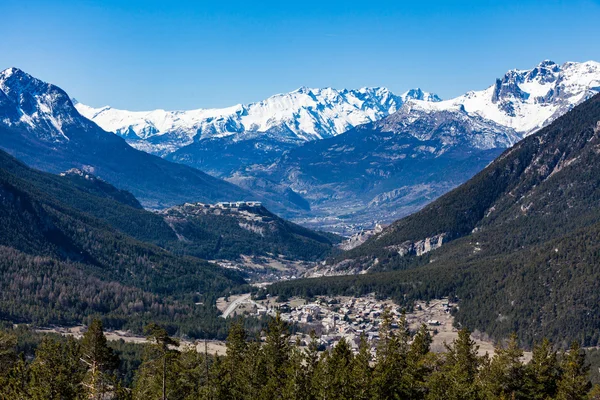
(234, 304)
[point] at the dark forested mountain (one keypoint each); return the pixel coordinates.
(201, 230)
(211, 231)
(73, 246)
(40, 125)
(519, 241)
(60, 264)
(91, 184)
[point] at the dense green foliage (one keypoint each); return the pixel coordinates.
(73, 247)
(522, 242)
(402, 367)
(227, 234)
(59, 264)
(206, 236)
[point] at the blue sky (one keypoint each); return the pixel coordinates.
(189, 54)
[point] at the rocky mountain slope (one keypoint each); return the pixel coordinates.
(217, 231)
(526, 100)
(383, 170)
(517, 244)
(302, 115)
(40, 125)
(385, 167)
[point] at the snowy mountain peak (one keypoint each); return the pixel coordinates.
(34, 104)
(8, 72)
(547, 63)
(418, 94)
(301, 115)
(526, 100)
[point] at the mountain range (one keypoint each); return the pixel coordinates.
(358, 157)
(296, 117)
(517, 244)
(40, 125)
(524, 100)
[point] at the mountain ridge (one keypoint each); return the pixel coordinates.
(40, 126)
(301, 115)
(516, 245)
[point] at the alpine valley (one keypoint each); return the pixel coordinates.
(83, 206)
(485, 212)
(517, 243)
(346, 160)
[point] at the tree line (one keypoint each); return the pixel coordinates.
(401, 366)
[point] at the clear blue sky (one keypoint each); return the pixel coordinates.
(190, 54)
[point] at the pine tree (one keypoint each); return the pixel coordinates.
(574, 382)
(418, 365)
(362, 371)
(542, 372)
(99, 360)
(296, 387)
(257, 369)
(335, 377)
(391, 353)
(8, 359)
(15, 385)
(154, 375)
(276, 352)
(8, 355)
(311, 359)
(233, 382)
(506, 373)
(456, 375)
(56, 371)
(189, 374)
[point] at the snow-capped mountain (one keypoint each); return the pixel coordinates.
(30, 103)
(386, 169)
(40, 126)
(451, 126)
(526, 100)
(296, 117)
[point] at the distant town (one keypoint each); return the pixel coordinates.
(334, 318)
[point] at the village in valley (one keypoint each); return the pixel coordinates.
(334, 318)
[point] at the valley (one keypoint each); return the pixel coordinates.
(347, 160)
(334, 318)
(359, 183)
(299, 201)
(211, 346)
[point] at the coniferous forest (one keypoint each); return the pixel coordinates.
(270, 366)
(197, 229)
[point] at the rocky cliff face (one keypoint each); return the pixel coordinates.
(419, 247)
